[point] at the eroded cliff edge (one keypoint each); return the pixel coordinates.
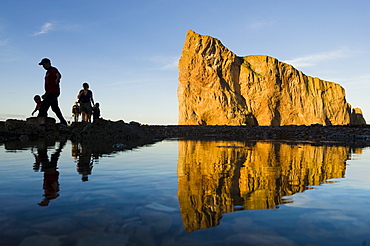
(216, 87)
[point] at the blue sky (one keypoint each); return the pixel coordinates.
(128, 50)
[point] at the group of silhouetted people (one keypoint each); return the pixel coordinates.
(86, 113)
(85, 105)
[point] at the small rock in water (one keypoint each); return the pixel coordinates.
(119, 146)
(237, 208)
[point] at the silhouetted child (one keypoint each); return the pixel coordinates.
(76, 111)
(96, 111)
(38, 102)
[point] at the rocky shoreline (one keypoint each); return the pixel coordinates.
(358, 136)
(133, 134)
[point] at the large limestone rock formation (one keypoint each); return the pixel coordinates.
(216, 87)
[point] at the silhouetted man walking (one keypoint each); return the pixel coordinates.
(52, 91)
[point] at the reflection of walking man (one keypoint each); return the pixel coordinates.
(52, 91)
(51, 185)
(51, 174)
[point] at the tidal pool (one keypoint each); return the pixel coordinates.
(178, 192)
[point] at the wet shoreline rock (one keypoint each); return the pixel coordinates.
(134, 134)
(316, 134)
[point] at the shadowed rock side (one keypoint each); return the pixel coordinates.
(216, 87)
(216, 177)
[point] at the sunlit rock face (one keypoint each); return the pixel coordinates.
(220, 177)
(216, 87)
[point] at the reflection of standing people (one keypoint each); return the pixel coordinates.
(85, 164)
(76, 111)
(75, 150)
(85, 97)
(52, 91)
(51, 174)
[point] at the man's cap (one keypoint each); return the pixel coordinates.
(43, 61)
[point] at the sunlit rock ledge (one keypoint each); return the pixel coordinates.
(126, 135)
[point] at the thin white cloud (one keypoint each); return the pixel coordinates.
(166, 62)
(73, 27)
(313, 59)
(361, 81)
(172, 65)
(47, 27)
(128, 82)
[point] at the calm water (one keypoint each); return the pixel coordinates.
(184, 193)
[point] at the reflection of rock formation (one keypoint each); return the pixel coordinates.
(214, 177)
